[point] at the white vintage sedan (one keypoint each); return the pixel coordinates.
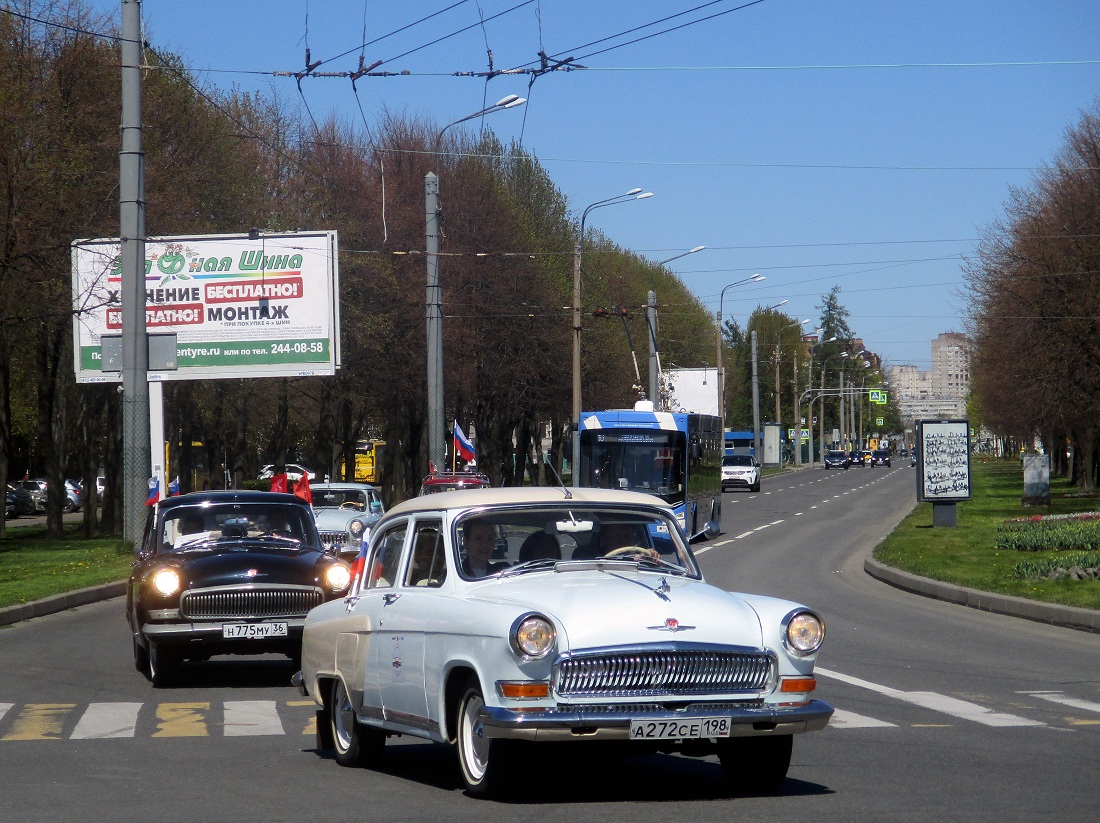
(496, 619)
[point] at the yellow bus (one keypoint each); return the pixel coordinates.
(368, 460)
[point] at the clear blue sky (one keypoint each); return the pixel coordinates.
(860, 143)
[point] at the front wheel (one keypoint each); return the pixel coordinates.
(755, 765)
(164, 664)
(485, 761)
(755, 486)
(355, 745)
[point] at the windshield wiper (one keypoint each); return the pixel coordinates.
(530, 566)
(661, 564)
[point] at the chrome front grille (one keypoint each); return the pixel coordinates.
(334, 540)
(663, 673)
(232, 602)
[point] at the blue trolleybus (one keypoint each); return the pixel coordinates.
(677, 457)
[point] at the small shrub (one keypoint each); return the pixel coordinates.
(1048, 534)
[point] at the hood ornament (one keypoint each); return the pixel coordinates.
(671, 624)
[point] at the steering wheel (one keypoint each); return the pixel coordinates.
(624, 550)
(351, 504)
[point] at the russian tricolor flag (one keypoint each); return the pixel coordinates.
(463, 447)
(154, 492)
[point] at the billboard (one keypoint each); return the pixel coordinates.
(240, 306)
(943, 460)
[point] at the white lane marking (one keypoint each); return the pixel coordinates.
(1065, 700)
(798, 514)
(102, 720)
(251, 717)
(761, 528)
(938, 702)
(842, 719)
(743, 534)
(4, 707)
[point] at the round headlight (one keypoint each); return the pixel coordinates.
(534, 636)
(337, 577)
(166, 582)
(356, 528)
(805, 631)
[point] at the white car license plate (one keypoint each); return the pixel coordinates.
(235, 631)
(680, 729)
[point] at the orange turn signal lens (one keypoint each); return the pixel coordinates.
(798, 684)
(521, 691)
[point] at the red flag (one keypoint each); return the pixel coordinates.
(278, 482)
(301, 488)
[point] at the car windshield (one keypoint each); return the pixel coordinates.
(737, 460)
(191, 527)
(519, 540)
(351, 499)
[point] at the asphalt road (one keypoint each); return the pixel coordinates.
(942, 712)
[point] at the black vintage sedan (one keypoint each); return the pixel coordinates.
(226, 572)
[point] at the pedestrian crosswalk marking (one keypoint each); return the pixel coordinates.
(101, 720)
(182, 720)
(938, 702)
(1072, 702)
(39, 721)
(842, 719)
(252, 717)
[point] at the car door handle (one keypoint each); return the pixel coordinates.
(389, 599)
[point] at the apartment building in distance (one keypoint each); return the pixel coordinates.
(939, 393)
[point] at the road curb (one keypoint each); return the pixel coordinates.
(1069, 617)
(61, 602)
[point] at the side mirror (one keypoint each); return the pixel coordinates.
(710, 530)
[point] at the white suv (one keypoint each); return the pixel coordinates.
(740, 470)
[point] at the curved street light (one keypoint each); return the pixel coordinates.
(756, 278)
(578, 251)
(433, 296)
(809, 388)
(651, 322)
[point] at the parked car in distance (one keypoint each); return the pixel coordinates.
(740, 471)
(880, 457)
(226, 572)
(294, 472)
(453, 481)
(37, 488)
(503, 617)
(74, 495)
(345, 513)
(912, 458)
(21, 501)
(836, 459)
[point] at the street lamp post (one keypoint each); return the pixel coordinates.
(756, 278)
(810, 407)
(778, 341)
(821, 410)
(578, 250)
(651, 322)
(433, 296)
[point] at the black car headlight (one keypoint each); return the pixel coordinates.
(166, 582)
(533, 636)
(337, 577)
(803, 632)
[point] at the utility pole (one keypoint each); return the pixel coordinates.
(654, 363)
(797, 415)
(433, 302)
(135, 346)
(758, 445)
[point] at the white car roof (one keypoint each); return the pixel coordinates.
(523, 495)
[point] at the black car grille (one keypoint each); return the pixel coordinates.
(260, 601)
(663, 673)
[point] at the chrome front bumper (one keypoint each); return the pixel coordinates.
(611, 723)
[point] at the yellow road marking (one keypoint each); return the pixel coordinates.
(39, 721)
(182, 720)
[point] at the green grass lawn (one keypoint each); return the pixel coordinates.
(968, 555)
(33, 566)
